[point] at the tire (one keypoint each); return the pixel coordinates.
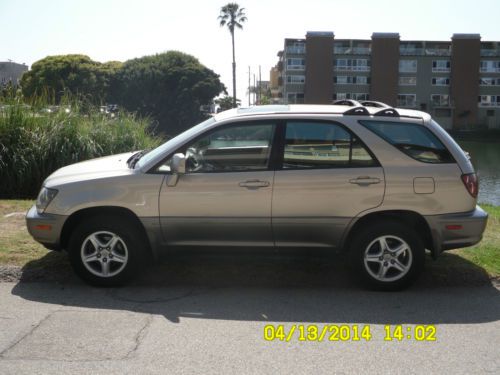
(113, 249)
(386, 256)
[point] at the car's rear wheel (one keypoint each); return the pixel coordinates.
(387, 256)
(106, 251)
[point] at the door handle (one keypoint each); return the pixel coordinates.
(254, 184)
(365, 180)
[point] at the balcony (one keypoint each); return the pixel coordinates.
(361, 50)
(295, 67)
(438, 52)
(406, 51)
(341, 50)
(490, 52)
(295, 50)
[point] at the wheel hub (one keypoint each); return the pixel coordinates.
(104, 254)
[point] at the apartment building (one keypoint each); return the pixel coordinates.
(11, 72)
(456, 81)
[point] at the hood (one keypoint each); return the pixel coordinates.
(107, 166)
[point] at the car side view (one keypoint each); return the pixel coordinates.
(382, 185)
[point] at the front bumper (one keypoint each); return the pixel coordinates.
(45, 228)
(453, 231)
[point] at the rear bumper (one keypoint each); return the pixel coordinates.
(45, 228)
(453, 231)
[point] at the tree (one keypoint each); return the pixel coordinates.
(74, 74)
(233, 16)
(169, 87)
(226, 102)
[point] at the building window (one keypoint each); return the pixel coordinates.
(489, 100)
(407, 81)
(407, 100)
(440, 81)
(296, 47)
(296, 64)
(359, 65)
(440, 100)
(490, 66)
(295, 98)
(351, 80)
(408, 66)
(351, 95)
(489, 81)
(295, 79)
(441, 66)
(362, 80)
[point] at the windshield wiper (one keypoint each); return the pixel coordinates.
(132, 161)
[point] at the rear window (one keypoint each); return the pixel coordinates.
(414, 140)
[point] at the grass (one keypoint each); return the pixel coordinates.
(486, 254)
(34, 142)
(16, 245)
(18, 248)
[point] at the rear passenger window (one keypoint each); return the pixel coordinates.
(414, 140)
(323, 145)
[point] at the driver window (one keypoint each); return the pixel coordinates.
(235, 148)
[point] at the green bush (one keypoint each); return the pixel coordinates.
(34, 143)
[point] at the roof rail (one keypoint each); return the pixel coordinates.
(390, 112)
(356, 111)
(372, 103)
(348, 102)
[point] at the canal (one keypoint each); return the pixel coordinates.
(485, 157)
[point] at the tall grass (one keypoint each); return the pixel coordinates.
(34, 143)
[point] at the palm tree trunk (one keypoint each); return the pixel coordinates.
(234, 72)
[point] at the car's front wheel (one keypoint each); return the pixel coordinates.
(105, 251)
(387, 256)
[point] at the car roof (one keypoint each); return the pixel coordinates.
(355, 109)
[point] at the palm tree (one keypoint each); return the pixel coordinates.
(233, 16)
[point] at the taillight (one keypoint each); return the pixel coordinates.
(471, 183)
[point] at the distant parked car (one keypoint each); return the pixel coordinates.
(109, 109)
(377, 183)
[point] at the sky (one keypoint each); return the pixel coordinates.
(123, 29)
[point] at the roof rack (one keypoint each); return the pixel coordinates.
(348, 102)
(356, 111)
(390, 112)
(372, 103)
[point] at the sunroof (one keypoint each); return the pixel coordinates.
(264, 108)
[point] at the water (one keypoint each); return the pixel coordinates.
(486, 160)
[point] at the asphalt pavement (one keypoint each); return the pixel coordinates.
(207, 315)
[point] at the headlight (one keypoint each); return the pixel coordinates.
(44, 198)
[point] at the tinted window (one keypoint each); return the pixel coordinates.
(232, 148)
(322, 145)
(414, 140)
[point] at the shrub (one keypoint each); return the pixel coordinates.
(34, 142)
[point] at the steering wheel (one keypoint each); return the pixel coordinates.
(193, 160)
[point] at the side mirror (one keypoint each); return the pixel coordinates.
(178, 167)
(179, 164)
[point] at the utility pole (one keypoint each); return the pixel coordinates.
(260, 86)
(254, 91)
(249, 87)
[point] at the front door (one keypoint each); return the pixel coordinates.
(327, 177)
(225, 196)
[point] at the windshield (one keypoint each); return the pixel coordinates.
(173, 143)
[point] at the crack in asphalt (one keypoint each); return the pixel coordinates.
(28, 334)
(138, 339)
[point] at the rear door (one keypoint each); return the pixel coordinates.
(325, 178)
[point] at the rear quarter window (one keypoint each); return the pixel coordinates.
(414, 140)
